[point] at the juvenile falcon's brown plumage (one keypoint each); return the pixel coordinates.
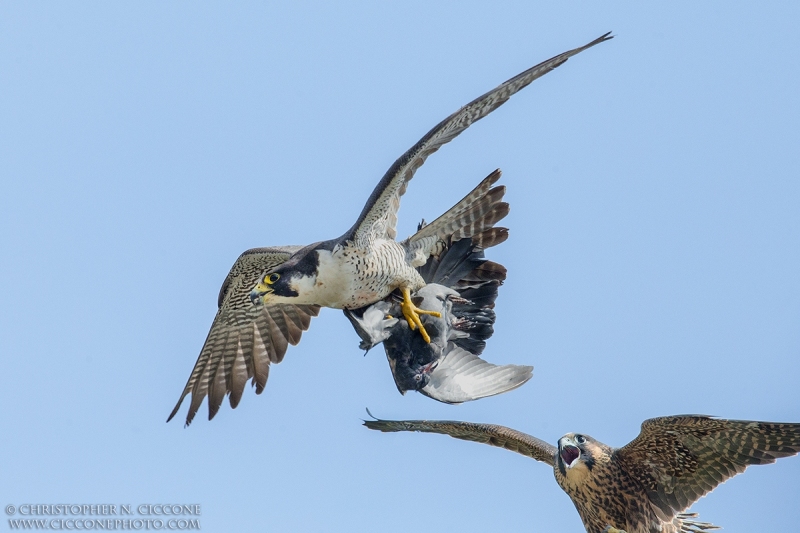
(647, 485)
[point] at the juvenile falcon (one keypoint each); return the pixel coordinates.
(361, 267)
(645, 486)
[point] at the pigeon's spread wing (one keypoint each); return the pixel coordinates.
(500, 436)
(379, 216)
(244, 338)
(461, 377)
(678, 459)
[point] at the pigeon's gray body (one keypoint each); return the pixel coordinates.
(462, 287)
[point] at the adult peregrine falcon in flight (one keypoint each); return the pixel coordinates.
(359, 268)
(647, 485)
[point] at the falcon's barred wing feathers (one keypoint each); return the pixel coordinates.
(244, 339)
(378, 219)
(500, 436)
(679, 459)
(482, 208)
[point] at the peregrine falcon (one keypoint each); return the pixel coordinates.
(647, 485)
(462, 287)
(366, 264)
(361, 267)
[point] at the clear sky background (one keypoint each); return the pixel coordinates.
(653, 262)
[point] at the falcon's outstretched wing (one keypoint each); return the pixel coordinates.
(379, 216)
(500, 436)
(244, 338)
(678, 459)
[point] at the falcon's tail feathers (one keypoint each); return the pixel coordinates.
(477, 212)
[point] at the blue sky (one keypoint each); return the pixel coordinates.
(653, 259)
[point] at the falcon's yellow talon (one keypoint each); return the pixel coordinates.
(411, 313)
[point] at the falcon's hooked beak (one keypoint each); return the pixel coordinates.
(569, 451)
(260, 293)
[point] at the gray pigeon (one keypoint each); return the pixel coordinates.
(462, 286)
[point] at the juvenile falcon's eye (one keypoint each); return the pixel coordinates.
(272, 278)
(579, 439)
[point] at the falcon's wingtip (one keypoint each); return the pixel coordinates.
(603, 38)
(176, 409)
(375, 423)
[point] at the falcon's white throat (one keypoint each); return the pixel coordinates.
(327, 287)
(343, 280)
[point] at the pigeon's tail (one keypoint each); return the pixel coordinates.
(462, 377)
(477, 212)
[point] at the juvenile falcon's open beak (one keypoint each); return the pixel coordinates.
(260, 293)
(569, 452)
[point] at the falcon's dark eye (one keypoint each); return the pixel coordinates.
(579, 439)
(417, 377)
(272, 278)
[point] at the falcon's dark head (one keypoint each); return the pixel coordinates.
(577, 457)
(293, 281)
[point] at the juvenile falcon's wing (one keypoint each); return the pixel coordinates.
(244, 338)
(500, 436)
(678, 459)
(379, 216)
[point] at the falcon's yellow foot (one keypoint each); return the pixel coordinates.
(610, 529)
(411, 312)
